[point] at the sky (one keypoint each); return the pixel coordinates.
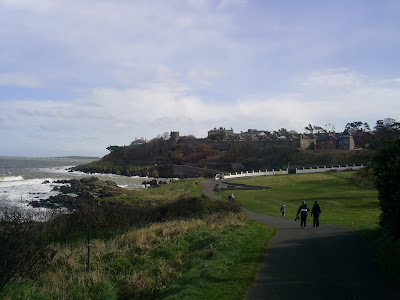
(77, 76)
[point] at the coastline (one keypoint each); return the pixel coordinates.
(22, 178)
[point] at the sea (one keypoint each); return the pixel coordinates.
(22, 178)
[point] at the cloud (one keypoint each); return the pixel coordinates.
(340, 77)
(203, 76)
(116, 116)
(19, 79)
(127, 69)
(227, 3)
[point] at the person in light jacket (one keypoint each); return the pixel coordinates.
(283, 210)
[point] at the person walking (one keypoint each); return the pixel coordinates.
(315, 212)
(283, 210)
(303, 211)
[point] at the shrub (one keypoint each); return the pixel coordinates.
(365, 177)
(386, 165)
(104, 215)
(23, 253)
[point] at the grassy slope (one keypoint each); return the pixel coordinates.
(164, 193)
(214, 257)
(342, 203)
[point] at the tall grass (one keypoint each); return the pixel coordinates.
(161, 260)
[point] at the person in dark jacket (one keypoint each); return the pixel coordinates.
(315, 212)
(303, 209)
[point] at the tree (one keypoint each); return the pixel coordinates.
(358, 125)
(387, 129)
(282, 132)
(23, 253)
(319, 129)
(309, 129)
(366, 126)
(329, 128)
(386, 166)
(165, 136)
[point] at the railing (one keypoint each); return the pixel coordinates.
(286, 171)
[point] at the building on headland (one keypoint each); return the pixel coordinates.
(308, 141)
(220, 133)
(252, 135)
(225, 139)
(342, 141)
(139, 141)
(362, 139)
(316, 141)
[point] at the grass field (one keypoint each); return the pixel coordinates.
(211, 256)
(162, 194)
(342, 203)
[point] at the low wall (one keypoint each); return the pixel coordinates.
(286, 171)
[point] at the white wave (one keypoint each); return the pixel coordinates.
(21, 192)
(11, 178)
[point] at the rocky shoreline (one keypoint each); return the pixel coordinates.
(75, 192)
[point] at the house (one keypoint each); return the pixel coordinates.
(220, 133)
(308, 141)
(327, 142)
(342, 141)
(347, 141)
(139, 141)
(362, 139)
(254, 133)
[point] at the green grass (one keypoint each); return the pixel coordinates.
(164, 193)
(215, 257)
(342, 203)
(231, 271)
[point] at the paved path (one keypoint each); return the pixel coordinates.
(329, 262)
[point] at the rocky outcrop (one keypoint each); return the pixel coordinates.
(74, 193)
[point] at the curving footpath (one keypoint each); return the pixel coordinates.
(329, 262)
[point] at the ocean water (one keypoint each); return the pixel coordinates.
(21, 178)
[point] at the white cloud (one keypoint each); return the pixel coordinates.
(116, 116)
(19, 79)
(39, 6)
(128, 69)
(204, 76)
(334, 78)
(228, 3)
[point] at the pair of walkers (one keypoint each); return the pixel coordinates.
(303, 211)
